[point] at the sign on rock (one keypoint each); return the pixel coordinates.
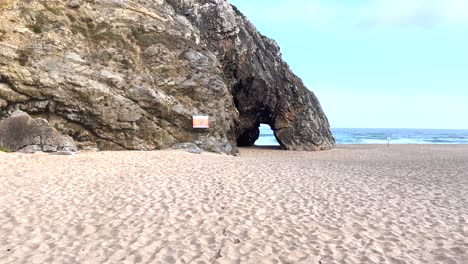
(200, 122)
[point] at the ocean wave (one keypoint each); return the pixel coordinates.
(379, 136)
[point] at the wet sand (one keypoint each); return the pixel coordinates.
(353, 204)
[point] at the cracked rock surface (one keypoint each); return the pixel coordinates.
(117, 75)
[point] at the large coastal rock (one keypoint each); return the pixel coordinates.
(116, 74)
(22, 133)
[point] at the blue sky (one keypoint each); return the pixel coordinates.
(375, 63)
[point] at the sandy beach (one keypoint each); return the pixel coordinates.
(353, 204)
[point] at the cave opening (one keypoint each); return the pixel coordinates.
(267, 137)
(260, 135)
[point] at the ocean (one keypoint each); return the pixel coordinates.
(380, 135)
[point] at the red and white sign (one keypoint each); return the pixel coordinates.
(201, 122)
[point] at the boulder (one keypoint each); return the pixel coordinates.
(22, 133)
(190, 147)
(74, 3)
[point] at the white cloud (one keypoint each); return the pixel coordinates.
(416, 13)
(368, 14)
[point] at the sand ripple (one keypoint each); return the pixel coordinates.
(366, 204)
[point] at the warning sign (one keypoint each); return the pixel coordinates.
(201, 122)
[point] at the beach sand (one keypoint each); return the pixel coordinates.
(353, 204)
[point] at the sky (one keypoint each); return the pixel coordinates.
(375, 63)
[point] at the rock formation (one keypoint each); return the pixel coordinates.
(22, 133)
(116, 74)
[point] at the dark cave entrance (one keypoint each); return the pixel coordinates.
(257, 113)
(260, 135)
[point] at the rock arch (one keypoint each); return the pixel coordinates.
(117, 83)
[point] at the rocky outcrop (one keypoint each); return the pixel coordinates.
(264, 88)
(22, 133)
(131, 74)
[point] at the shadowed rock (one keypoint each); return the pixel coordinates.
(131, 74)
(22, 133)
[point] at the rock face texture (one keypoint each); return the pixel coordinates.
(20, 132)
(116, 74)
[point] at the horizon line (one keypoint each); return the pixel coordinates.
(398, 128)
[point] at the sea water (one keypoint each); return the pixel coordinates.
(380, 135)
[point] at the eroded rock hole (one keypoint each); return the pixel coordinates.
(261, 135)
(267, 136)
(248, 137)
